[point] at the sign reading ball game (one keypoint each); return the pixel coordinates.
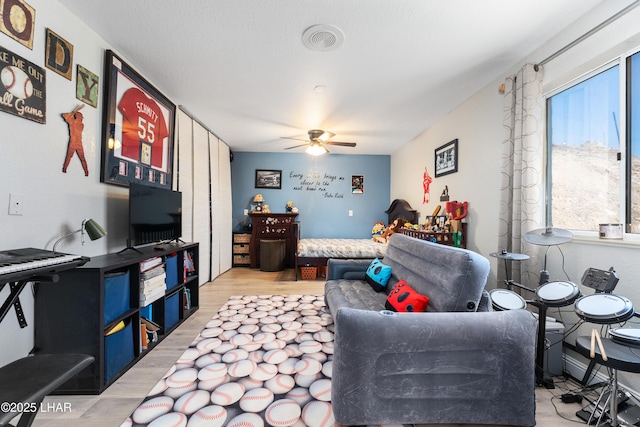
(22, 92)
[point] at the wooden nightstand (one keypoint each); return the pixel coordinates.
(241, 243)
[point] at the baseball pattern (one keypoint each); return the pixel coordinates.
(261, 361)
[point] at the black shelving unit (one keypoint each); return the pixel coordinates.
(70, 314)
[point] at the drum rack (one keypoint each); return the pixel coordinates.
(542, 327)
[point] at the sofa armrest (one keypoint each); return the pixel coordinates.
(434, 367)
(348, 269)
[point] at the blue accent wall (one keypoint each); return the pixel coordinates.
(320, 187)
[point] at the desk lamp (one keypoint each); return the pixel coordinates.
(93, 229)
(259, 200)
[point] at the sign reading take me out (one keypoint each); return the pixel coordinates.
(22, 92)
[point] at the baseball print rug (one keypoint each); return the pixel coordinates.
(262, 360)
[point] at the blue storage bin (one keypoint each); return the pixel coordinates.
(117, 295)
(147, 312)
(171, 311)
(171, 269)
(118, 351)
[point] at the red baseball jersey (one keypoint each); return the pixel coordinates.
(143, 125)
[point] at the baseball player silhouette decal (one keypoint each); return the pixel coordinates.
(74, 120)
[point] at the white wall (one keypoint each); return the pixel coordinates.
(32, 158)
(32, 155)
(477, 123)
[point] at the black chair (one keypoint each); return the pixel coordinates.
(616, 357)
(25, 382)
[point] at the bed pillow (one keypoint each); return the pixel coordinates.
(378, 275)
(404, 298)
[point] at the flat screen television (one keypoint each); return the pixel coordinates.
(155, 215)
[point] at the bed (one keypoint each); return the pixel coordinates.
(315, 252)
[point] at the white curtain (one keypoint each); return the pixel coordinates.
(522, 186)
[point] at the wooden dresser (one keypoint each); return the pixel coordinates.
(273, 226)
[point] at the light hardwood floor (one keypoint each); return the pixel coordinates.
(116, 403)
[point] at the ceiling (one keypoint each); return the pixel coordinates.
(240, 67)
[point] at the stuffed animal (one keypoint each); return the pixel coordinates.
(392, 228)
(377, 230)
(456, 209)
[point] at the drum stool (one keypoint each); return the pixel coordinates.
(619, 357)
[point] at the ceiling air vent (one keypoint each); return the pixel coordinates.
(323, 37)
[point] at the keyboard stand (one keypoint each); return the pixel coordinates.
(14, 297)
(25, 382)
(14, 300)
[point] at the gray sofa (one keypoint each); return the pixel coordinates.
(451, 364)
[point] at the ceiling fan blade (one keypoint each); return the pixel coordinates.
(296, 139)
(296, 146)
(344, 144)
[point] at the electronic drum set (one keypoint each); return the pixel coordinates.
(602, 307)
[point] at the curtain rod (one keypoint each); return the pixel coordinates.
(588, 33)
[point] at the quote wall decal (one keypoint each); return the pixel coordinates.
(330, 186)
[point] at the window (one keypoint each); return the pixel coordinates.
(632, 165)
(585, 174)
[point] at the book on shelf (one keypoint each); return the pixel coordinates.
(146, 299)
(186, 303)
(143, 336)
(154, 272)
(150, 325)
(152, 284)
(150, 263)
(189, 266)
(152, 330)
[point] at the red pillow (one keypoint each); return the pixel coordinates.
(405, 299)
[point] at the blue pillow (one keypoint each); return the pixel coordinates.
(378, 275)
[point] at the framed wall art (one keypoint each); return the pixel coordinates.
(17, 20)
(137, 129)
(268, 178)
(58, 55)
(446, 158)
(87, 86)
(23, 91)
(357, 184)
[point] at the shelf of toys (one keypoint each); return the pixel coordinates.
(445, 229)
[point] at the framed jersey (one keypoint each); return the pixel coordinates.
(137, 129)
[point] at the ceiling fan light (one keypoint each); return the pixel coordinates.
(325, 136)
(316, 149)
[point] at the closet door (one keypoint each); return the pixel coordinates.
(201, 200)
(224, 212)
(185, 173)
(215, 206)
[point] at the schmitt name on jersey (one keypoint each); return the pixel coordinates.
(147, 110)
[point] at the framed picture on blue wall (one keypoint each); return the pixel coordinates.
(357, 184)
(266, 178)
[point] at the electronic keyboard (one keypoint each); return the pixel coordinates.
(22, 264)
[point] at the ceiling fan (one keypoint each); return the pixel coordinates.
(317, 141)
